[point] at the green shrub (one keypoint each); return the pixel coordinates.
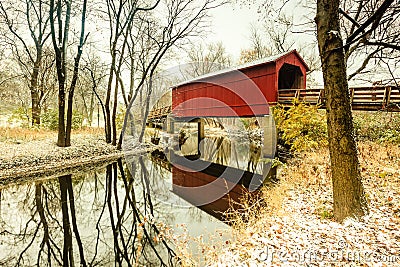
(50, 120)
(21, 115)
(119, 119)
(325, 214)
(301, 126)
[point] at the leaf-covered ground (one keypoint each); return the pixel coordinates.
(35, 153)
(296, 228)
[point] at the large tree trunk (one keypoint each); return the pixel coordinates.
(348, 192)
(60, 44)
(71, 95)
(108, 129)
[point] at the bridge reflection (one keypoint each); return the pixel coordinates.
(214, 188)
(217, 163)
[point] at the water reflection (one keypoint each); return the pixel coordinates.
(216, 163)
(214, 188)
(244, 143)
(186, 184)
(66, 195)
(101, 218)
(116, 216)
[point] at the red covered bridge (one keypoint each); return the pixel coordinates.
(244, 91)
(250, 89)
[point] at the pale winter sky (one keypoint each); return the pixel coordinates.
(231, 23)
(231, 26)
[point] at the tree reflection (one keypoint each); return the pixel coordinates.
(99, 219)
(137, 243)
(47, 242)
(67, 193)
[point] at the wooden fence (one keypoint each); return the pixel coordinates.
(362, 98)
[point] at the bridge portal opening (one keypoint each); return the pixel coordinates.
(290, 77)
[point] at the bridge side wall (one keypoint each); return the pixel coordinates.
(238, 93)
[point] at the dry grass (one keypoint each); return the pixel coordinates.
(309, 170)
(19, 135)
(89, 130)
(8, 134)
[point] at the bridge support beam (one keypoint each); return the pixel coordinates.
(200, 136)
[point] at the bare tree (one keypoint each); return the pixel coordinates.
(375, 50)
(371, 34)
(92, 86)
(279, 34)
(258, 48)
(29, 18)
(11, 87)
(60, 44)
(121, 15)
(154, 38)
(349, 199)
(348, 193)
(207, 59)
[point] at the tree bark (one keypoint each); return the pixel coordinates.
(35, 96)
(61, 111)
(75, 77)
(348, 192)
(36, 109)
(60, 51)
(108, 97)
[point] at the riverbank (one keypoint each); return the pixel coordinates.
(295, 227)
(32, 153)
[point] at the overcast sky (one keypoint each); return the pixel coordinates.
(231, 26)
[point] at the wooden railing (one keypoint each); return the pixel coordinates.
(309, 96)
(362, 98)
(367, 98)
(158, 113)
(393, 96)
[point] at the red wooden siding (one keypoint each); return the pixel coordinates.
(212, 193)
(245, 91)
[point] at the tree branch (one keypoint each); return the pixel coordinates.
(373, 19)
(385, 45)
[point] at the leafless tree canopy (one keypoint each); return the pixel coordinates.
(370, 30)
(206, 59)
(27, 35)
(372, 37)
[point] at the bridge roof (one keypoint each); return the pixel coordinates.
(258, 62)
